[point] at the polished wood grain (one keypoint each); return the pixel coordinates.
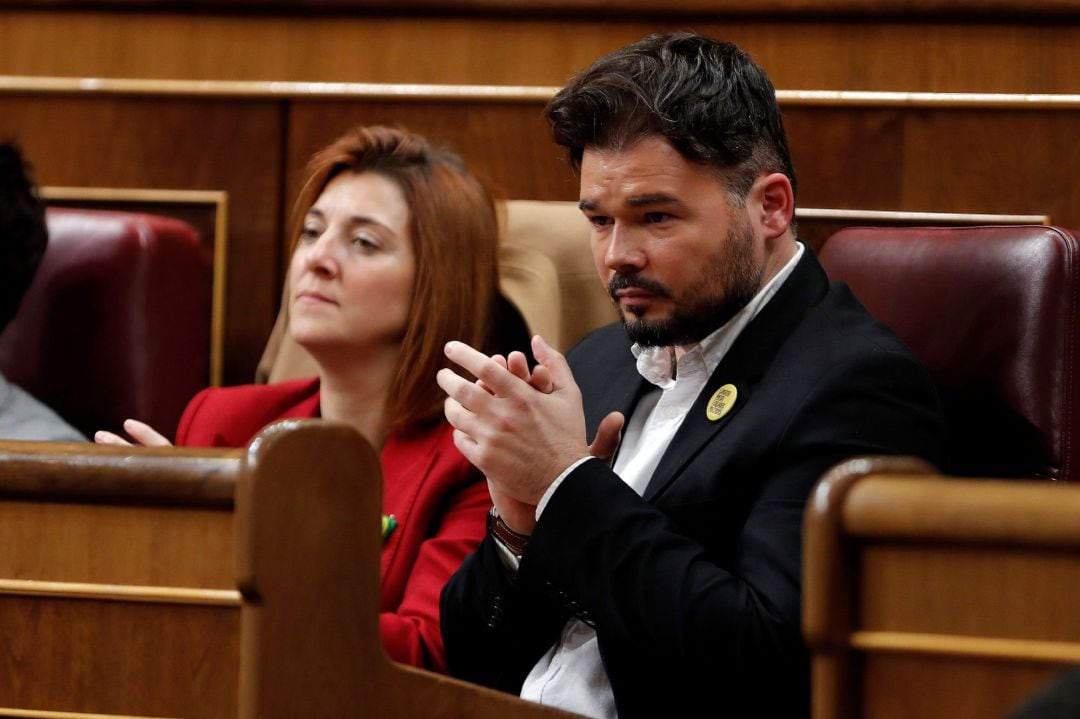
(117, 584)
(114, 601)
(1023, 51)
(586, 7)
(110, 544)
(934, 597)
(119, 657)
(308, 569)
(898, 686)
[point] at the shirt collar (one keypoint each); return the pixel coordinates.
(659, 365)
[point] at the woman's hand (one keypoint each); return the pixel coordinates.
(141, 432)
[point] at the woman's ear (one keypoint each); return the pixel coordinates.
(771, 202)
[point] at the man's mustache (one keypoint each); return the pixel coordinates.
(625, 282)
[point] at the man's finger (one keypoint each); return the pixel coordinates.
(541, 379)
(495, 377)
(476, 397)
(549, 357)
(518, 365)
(466, 445)
(607, 437)
(460, 418)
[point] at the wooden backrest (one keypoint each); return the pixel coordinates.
(117, 585)
(308, 568)
(925, 596)
(118, 576)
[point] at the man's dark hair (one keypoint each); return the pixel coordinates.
(23, 234)
(713, 103)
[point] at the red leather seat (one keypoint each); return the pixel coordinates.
(117, 321)
(992, 312)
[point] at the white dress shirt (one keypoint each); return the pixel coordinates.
(571, 674)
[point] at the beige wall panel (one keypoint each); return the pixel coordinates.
(175, 143)
(958, 55)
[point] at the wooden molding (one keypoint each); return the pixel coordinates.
(961, 646)
(55, 471)
(919, 218)
(572, 8)
(12, 84)
(120, 592)
(39, 714)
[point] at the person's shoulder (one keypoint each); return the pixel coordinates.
(839, 340)
(257, 399)
(609, 334)
(23, 417)
(230, 416)
(843, 322)
(601, 344)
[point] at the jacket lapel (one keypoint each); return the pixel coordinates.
(621, 389)
(743, 366)
(407, 460)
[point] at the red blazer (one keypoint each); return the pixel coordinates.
(439, 500)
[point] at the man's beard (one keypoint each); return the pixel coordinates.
(729, 280)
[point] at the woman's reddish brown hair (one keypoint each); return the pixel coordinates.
(454, 239)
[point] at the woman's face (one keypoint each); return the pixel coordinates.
(352, 273)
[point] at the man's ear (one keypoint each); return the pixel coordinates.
(771, 202)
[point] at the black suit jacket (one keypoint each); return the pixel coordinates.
(694, 589)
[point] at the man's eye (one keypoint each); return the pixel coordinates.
(600, 221)
(656, 217)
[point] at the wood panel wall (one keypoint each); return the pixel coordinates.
(908, 153)
(926, 45)
(253, 143)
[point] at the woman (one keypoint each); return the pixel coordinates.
(395, 255)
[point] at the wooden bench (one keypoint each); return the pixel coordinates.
(929, 597)
(118, 584)
(117, 588)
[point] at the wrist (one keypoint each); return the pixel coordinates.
(505, 535)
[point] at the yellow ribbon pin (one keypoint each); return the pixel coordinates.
(389, 524)
(721, 402)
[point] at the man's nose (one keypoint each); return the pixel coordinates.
(624, 251)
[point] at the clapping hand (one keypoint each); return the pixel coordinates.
(520, 428)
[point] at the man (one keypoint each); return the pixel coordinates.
(670, 580)
(23, 237)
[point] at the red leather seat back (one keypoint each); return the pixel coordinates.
(992, 312)
(117, 321)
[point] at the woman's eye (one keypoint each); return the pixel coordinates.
(365, 243)
(309, 233)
